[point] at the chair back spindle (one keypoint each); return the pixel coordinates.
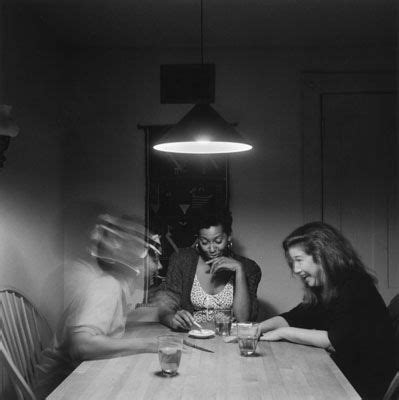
(25, 332)
(392, 392)
(22, 389)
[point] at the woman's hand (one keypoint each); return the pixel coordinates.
(182, 320)
(241, 300)
(224, 264)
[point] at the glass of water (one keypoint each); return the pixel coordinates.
(248, 336)
(169, 353)
(223, 320)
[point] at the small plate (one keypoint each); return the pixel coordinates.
(205, 333)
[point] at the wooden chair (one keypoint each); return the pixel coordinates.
(393, 390)
(25, 333)
(393, 309)
(22, 389)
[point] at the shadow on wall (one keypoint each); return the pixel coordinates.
(13, 264)
(53, 286)
(238, 248)
(80, 217)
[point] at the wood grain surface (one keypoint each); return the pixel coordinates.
(279, 370)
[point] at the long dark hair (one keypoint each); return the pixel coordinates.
(333, 252)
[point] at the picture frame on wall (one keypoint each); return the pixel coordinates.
(177, 186)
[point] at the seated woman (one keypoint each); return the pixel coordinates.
(98, 294)
(341, 310)
(209, 276)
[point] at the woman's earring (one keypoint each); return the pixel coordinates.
(196, 246)
(229, 245)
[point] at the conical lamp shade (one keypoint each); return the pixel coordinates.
(202, 131)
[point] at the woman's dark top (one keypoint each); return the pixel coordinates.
(181, 273)
(360, 331)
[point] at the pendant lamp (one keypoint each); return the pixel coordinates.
(202, 130)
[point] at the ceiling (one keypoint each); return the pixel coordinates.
(164, 23)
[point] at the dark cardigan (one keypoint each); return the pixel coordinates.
(180, 278)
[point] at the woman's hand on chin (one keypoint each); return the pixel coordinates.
(224, 264)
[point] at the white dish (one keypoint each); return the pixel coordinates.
(205, 333)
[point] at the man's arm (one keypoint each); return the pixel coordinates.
(87, 346)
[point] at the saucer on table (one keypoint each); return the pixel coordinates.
(202, 334)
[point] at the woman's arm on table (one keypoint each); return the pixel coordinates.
(272, 323)
(312, 337)
(169, 300)
(87, 346)
(170, 316)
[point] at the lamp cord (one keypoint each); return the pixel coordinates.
(202, 34)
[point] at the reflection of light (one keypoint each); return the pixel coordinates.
(203, 147)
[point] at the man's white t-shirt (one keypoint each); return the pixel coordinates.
(97, 303)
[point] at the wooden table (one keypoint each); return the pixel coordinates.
(280, 370)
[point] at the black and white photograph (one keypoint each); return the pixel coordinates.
(221, 177)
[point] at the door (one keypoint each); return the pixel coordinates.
(357, 169)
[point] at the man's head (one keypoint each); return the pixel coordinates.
(124, 241)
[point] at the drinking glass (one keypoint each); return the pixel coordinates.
(248, 334)
(222, 320)
(169, 353)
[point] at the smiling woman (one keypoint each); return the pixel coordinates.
(304, 266)
(341, 310)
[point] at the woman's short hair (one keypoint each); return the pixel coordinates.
(213, 216)
(332, 251)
